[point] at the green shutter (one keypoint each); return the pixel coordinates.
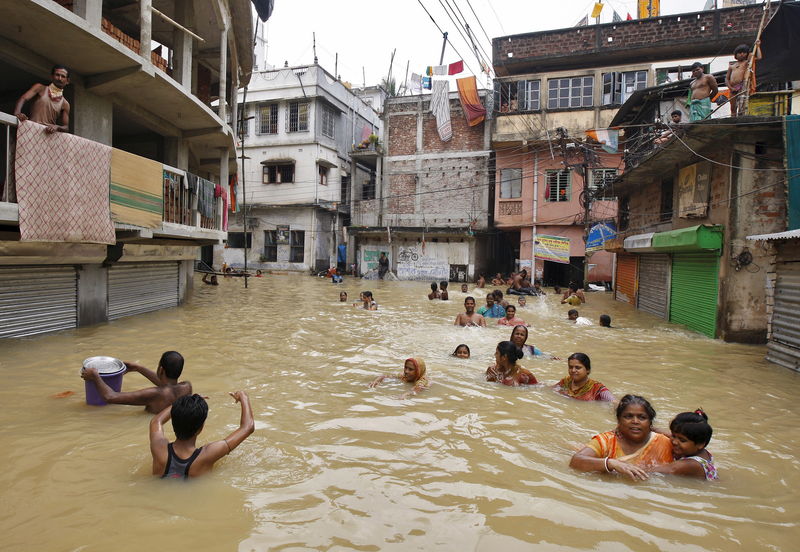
(695, 284)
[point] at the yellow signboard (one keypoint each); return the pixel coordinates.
(649, 8)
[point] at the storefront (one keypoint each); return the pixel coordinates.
(653, 275)
(625, 278)
(37, 299)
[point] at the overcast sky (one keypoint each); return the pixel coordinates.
(365, 32)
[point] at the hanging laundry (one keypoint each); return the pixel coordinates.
(629, 18)
(429, 70)
(232, 182)
(455, 68)
(440, 70)
(470, 101)
(608, 138)
(415, 83)
(598, 7)
(583, 22)
(426, 83)
(440, 107)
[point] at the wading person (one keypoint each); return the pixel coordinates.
(469, 317)
(48, 105)
(154, 399)
(505, 369)
(413, 372)
(578, 384)
(383, 265)
(181, 459)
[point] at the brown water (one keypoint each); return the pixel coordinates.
(333, 465)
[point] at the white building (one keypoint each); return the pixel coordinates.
(300, 127)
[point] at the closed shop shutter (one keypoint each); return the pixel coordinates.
(694, 288)
(36, 300)
(784, 347)
(653, 292)
(626, 278)
(141, 287)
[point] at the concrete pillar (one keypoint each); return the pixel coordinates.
(185, 280)
(92, 116)
(176, 152)
(92, 295)
(146, 28)
(223, 74)
(182, 52)
(90, 10)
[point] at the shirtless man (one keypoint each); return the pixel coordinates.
(48, 105)
(734, 80)
(470, 317)
(703, 88)
(154, 399)
(434, 294)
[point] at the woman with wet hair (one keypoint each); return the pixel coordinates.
(632, 448)
(505, 370)
(578, 384)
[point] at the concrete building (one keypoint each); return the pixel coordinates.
(575, 79)
(150, 84)
(430, 210)
(301, 128)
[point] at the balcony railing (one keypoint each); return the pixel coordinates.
(179, 200)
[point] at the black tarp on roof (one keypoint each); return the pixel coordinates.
(780, 46)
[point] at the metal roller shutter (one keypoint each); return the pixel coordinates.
(654, 276)
(626, 278)
(695, 285)
(141, 287)
(784, 347)
(36, 300)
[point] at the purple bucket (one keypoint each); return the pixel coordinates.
(111, 371)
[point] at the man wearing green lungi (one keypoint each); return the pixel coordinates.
(702, 89)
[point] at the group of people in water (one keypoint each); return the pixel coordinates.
(635, 448)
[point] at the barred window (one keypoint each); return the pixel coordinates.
(510, 183)
(268, 119)
(558, 186)
(278, 173)
(297, 121)
(600, 184)
(328, 122)
(270, 246)
(570, 92)
(297, 244)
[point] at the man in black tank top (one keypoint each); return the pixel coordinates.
(181, 459)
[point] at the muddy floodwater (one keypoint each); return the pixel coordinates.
(333, 465)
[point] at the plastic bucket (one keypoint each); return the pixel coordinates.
(111, 371)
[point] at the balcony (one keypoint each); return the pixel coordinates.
(186, 211)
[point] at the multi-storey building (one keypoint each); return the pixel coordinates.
(150, 93)
(302, 164)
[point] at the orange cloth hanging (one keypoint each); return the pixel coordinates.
(470, 101)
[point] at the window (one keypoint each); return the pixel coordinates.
(510, 183)
(323, 175)
(328, 122)
(618, 87)
(297, 121)
(571, 92)
(665, 212)
(368, 191)
(558, 184)
(345, 189)
(297, 244)
(600, 184)
(270, 246)
(236, 240)
(278, 173)
(268, 119)
(517, 96)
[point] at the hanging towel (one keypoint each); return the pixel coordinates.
(415, 83)
(232, 182)
(205, 199)
(455, 68)
(439, 70)
(426, 83)
(137, 189)
(440, 107)
(62, 187)
(470, 101)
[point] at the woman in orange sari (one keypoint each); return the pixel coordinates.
(579, 385)
(629, 449)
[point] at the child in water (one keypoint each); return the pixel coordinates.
(462, 351)
(691, 434)
(413, 372)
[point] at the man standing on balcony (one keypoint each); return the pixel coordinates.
(702, 89)
(48, 105)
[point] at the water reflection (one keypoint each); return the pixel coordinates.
(464, 465)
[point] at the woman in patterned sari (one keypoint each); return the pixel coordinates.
(579, 385)
(631, 448)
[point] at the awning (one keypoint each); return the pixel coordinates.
(694, 238)
(788, 235)
(326, 163)
(640, 243)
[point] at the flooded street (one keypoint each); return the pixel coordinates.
(333, 465)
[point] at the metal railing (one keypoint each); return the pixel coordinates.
(177, 197)
(8, 192)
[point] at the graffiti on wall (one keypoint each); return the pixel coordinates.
(412, 264)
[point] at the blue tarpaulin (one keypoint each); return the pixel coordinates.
(792, 146)
(600, 233)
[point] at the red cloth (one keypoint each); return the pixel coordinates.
(470, 102)
(629, 18)
(62, 187)
(455, 68)
(220, 191)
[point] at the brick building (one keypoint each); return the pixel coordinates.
(430, 209)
